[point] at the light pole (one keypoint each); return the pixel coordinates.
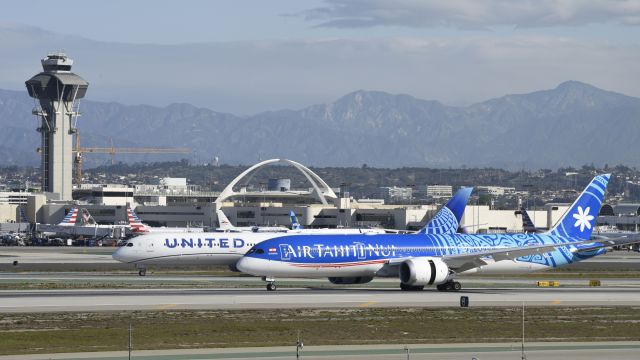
(524, 356)
(130, 336)
(299, 346)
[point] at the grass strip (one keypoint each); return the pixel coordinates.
(76, 332)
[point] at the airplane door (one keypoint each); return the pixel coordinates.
(149, 248)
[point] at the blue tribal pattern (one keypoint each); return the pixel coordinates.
(443, 223)
(447, 220)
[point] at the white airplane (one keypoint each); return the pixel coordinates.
(298, 229)
(80, 222)
(226, 248)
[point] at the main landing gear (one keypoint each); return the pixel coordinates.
(449, 286)
(142, 271)
(271, 283)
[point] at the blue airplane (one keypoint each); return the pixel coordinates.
(434, 259)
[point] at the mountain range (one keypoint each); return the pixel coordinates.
(571, 125)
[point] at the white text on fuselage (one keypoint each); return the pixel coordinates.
(223, 243)
(317, 251)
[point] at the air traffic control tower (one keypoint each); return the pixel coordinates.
(58, 92)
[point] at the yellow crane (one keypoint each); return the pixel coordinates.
(79, 151)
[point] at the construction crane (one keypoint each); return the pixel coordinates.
(79, 151)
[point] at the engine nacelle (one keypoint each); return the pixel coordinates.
(350, 280)
(423, 271)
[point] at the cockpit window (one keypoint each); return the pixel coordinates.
(129, 244)
(251, 251)
(259, 251)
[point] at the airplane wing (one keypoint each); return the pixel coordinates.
(464, 262)
(599, 242)
(468, 261)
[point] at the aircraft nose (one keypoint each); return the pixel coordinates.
(253, 266)
(119, 255)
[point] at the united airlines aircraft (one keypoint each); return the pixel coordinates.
(226, 248)
(433, 259)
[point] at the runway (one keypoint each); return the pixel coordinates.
(258, 298)
(496, 351)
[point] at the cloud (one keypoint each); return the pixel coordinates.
(253, 76)
(473, 14)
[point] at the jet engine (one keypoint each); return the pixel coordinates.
(350, 280)
(423, 271)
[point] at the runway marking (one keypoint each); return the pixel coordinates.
(367, 304)
(556, 302)
(166, 306)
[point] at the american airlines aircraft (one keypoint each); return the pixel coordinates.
(79, 222)
(427, 259)
(226, 248)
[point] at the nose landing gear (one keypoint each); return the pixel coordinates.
(142, 271)
(271, 283)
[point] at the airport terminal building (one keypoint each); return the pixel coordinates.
(174, 203)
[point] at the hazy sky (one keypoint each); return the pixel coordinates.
(248, 56)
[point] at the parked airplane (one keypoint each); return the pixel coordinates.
(296, 228)
(79, 222)
(226, 226)
(226, 248)
(434, 259)
(527, 224)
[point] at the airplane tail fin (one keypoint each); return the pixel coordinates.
(86, 218)
(295, 224)
(223, 221)
(135, 223)
(578, 222)
(527, 224)
(447, 220)
(71, 217)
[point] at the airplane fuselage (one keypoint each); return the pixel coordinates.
(180, 248)
(370, 255)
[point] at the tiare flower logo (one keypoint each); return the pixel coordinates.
(583, 218)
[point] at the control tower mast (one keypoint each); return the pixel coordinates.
(58, 92)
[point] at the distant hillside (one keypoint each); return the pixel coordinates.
(571, 125)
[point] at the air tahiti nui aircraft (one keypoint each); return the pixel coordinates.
(427, 259)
